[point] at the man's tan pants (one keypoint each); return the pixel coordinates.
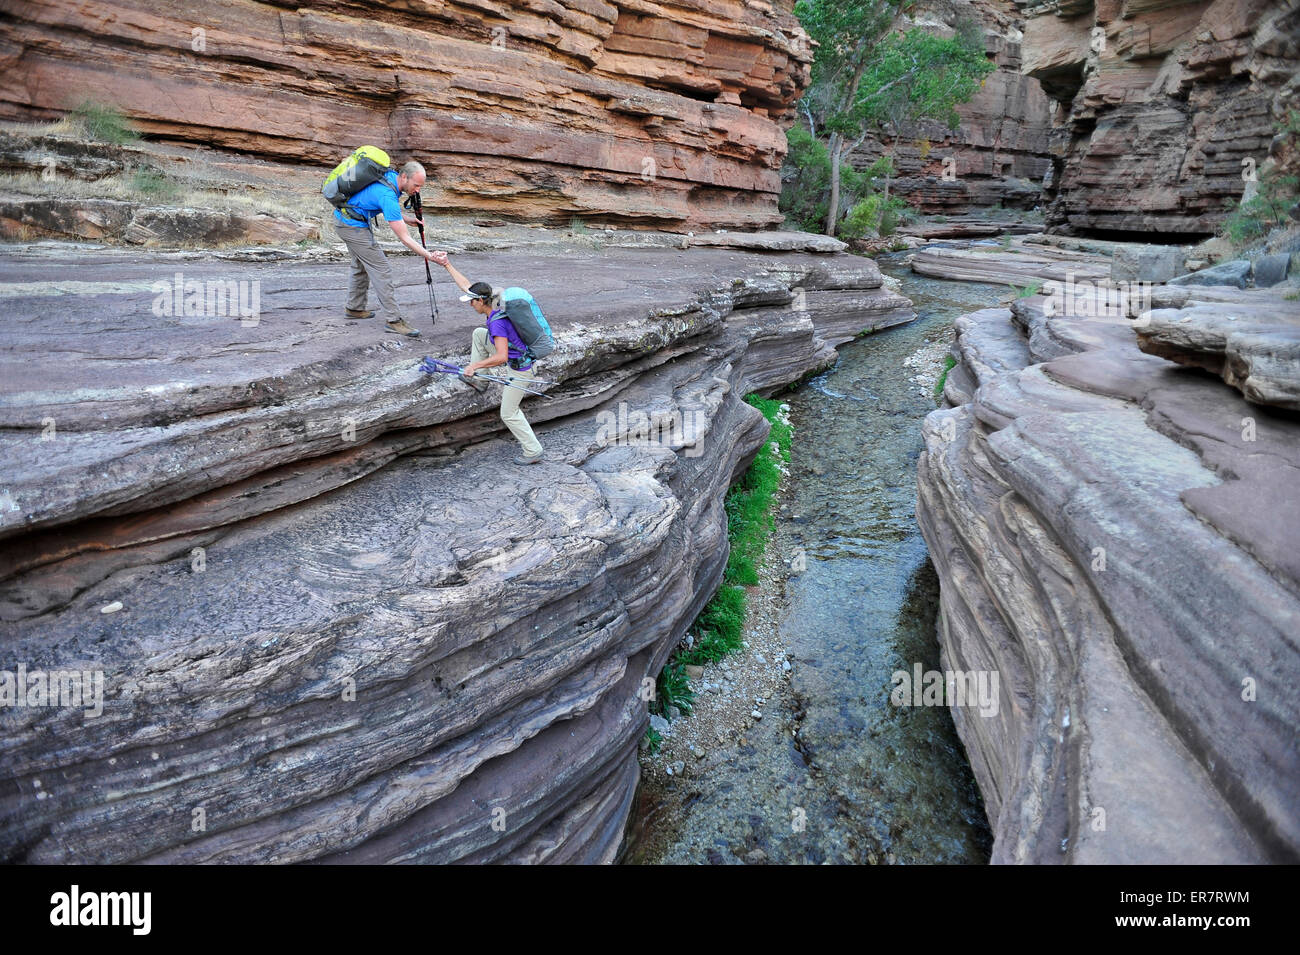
(369, 265)
(511, 416)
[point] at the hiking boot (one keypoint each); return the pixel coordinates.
(521, 459)
(479, 386)
(400, 327)
(358, 313)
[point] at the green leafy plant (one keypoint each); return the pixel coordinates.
(1028, 290)
(103, 123)
(876, 214)
(673, 688)
(653, 740)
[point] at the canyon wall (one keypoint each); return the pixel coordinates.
(1165, 107)
(1114, 533)
(999, 155)
(334, 623)
(665, 114)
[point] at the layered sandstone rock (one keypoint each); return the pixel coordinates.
(664, 114)
(1114, 535)
(1166, 109)
(350, 629)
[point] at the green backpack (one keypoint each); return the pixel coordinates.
(364, 167)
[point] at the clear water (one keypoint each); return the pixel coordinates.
(863, 780)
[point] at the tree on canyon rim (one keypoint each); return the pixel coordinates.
(870, 76)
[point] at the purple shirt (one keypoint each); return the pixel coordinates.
(502, 327)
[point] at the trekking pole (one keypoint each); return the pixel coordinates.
(414, 204)
(432, 366)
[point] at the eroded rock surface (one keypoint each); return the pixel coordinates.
(1165, 109)
(1115, 536)
(659, 114)
(351, 630)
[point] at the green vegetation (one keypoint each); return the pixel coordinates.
(875, 214)
(103, 123)
(1028, 290)
(654, 741)
(868, 78)
(949, 363)
(1267, 209)
(719, 629)
(153, 184)
(673, 688)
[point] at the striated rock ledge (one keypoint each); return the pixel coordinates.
(1165, 108)
(352, 631)
(658, 114)
(1115, 536)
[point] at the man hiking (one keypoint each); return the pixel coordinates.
(369, 264)
(497, 342)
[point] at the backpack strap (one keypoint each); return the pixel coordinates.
(351, 213)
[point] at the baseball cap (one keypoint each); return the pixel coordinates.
(478, 290)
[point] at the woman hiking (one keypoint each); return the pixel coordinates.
(497, 342)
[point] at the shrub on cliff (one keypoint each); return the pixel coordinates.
(867, 77)
(102, 123)
(1276, 193)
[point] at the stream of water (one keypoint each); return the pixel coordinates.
(842, 775)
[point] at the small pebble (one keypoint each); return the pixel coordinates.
(114, 607)
(757, 714)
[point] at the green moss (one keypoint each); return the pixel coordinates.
(948, 364)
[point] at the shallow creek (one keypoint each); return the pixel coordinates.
(834, 772)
